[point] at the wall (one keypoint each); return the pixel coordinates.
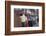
(2, 18)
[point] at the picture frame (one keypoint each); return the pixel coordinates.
(9, 23)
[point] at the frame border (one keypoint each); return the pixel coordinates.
(7, 17)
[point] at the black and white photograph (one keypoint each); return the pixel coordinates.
(26, 17)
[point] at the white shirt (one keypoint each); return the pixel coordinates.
(23, 18)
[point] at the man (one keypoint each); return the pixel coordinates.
(23, 19)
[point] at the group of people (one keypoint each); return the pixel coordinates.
(26, 20)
